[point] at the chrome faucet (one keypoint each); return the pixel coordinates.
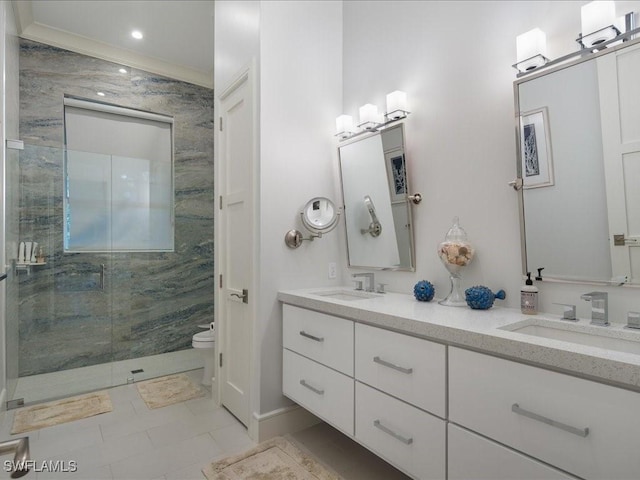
(371, 279)
(599, 307)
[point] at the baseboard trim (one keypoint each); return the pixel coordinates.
(294, 418)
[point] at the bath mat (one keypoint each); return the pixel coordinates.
(163, 391)
(275, 459)
(61, 411)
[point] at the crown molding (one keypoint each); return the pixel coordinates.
(31, 30)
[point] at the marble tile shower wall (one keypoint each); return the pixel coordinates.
(151, 302)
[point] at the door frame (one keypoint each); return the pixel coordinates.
(246, 74)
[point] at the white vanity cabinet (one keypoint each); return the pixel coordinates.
(406, 372)
(472, 457)
(384, 389)
(585, 428)
(318, 365)
(409, 368)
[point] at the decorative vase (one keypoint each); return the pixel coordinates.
(455, 253)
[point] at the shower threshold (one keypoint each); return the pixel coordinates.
(65, 383)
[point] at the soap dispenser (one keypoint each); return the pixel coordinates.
(529, 297)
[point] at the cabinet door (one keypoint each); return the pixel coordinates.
(410, 439)
(410, 368)
(471, 457)
(324, 392)
(585, 428)
(318, 336)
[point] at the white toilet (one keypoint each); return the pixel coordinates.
(206, 341)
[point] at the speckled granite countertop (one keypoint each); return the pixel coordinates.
(481, 330)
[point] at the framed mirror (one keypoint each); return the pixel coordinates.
(578, 138)
(376, 201)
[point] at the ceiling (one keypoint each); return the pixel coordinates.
(178, 34)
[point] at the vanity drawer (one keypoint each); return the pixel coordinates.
(321, 337)
(406, 367)
(408, 438)
(471, 457)
(510, 402)
(324, 392)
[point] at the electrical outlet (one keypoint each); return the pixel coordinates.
(333, 270)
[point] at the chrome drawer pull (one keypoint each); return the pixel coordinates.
(391, 365)
(581, 432)
(406, 441)
(313, 389)
(312, 337)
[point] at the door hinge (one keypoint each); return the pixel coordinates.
(220, 202)
(220, 124)
(220, 281)
(620, 241)
(220, 362)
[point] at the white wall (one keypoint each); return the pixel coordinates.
(454, 60)
(300, 88)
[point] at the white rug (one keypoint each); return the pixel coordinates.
(163, 391)
(61, 411)
(275, 459)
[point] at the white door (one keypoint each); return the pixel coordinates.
(620, 117)
(236, 244)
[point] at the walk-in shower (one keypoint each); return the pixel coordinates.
(84, 316)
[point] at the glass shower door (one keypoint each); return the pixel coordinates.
(63, 329)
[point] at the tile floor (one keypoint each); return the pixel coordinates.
(172, 443)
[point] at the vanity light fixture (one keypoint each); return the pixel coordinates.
(344, 127)
(396, 105)
(370, 119)
(531, 48)
(598, 20)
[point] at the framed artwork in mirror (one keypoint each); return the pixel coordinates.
(535, 148)
(396, 173)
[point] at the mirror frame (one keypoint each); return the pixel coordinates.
(518, 183)
(407, 199)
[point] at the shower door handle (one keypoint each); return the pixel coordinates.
(102, 268)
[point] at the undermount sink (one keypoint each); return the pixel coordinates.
(592, 336)
(348, 295)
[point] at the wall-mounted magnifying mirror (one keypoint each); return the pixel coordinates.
(319, 216)
(376, 201)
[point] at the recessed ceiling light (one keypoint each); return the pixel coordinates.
(123, 70)
(101, 94)
(137, 34)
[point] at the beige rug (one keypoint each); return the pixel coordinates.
(163, 391)
(61, 411)
(275, 459)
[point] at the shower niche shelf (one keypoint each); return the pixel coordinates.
(26, 267)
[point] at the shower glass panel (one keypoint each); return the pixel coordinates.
(86, 320)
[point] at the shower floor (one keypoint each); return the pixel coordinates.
(65, 383)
